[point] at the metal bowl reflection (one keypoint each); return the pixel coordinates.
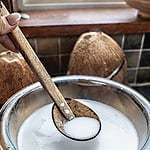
(121, 97)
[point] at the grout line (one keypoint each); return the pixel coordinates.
(49, 55)
(53, 55)
(134, 68)
(139, 58)
(36, 46)
(123, 40)
(148, 49)
(59, 56)
(139, 84)
(142, 41)
(132, 50)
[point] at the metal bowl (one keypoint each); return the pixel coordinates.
(121, 97)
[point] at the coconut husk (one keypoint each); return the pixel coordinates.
(15, 74)
(97, 54)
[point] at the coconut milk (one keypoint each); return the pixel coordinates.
(82, 128)
(117, 132)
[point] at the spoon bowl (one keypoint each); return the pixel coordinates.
(79, 110)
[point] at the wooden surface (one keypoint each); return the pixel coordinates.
(75, 22)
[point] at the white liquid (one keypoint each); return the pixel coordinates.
(117, 132)
(82, 127)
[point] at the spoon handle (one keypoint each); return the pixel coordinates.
(38, 68)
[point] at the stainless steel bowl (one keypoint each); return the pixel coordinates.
(121, 97)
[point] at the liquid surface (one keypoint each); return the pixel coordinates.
(82, 128)
(117, 132)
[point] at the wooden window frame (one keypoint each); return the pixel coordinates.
(72, 22)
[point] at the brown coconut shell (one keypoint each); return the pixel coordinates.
(15, 74)
(97, 54)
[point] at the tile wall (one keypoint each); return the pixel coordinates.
(137, 50)
(54, 52)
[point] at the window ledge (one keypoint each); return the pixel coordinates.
(75, 22)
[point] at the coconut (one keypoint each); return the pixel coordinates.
(97, 54)
(15, 74)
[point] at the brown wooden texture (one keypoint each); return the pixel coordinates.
(75, 22)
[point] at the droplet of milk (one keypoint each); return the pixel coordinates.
(82, 128)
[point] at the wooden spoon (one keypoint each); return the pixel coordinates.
(61, 112)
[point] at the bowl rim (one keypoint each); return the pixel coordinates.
(144, 103)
